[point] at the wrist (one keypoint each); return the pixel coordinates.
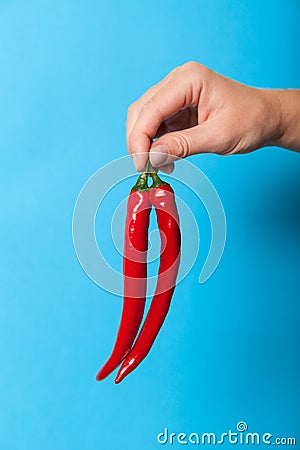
(285, 106)
(273, 117)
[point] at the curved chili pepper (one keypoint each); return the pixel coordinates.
(135, 274)
(162, 198)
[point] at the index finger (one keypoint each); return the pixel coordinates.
(180, 92)
(135, 108)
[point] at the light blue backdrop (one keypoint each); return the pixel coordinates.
(229, 350)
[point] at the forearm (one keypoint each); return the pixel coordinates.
(289, 134)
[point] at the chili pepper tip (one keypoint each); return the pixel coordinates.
(121, 375)
(99, 376)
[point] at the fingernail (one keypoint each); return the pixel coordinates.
(158, 155)
(139, 160)
(168, 168)
(136, 161)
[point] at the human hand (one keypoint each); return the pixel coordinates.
(195, 110)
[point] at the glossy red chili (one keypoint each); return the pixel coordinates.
(163, 199)
(135, 274)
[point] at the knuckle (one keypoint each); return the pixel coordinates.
(195, 69)
(182, 145)
(145, 108)
(150, 108)
(191, 66)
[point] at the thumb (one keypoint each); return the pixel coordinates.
(180, 144)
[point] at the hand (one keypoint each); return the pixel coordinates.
(195, 110)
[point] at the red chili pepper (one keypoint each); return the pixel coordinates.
(135, 274)
(162, 198)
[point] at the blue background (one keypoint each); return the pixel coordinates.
(229, 350)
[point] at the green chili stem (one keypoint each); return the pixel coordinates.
(142, 183)
(157, 181)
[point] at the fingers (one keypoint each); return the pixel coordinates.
(135, 108)
(168, 168)
(185, 118)
(204, 138)
(180, 91)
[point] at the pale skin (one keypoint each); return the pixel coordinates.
(196, 110)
